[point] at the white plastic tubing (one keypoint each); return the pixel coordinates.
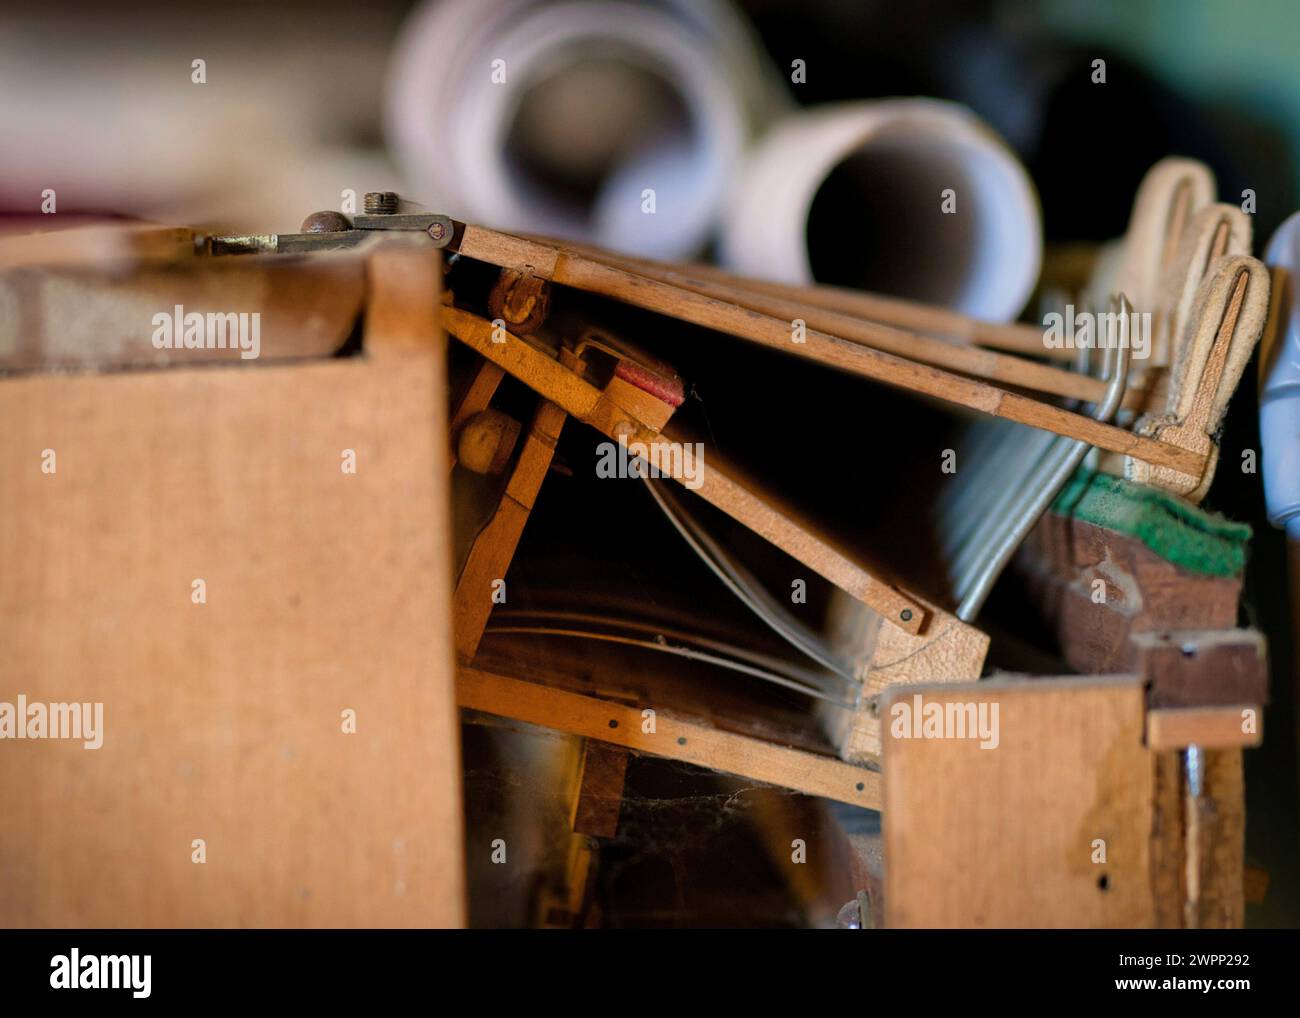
(557, 118)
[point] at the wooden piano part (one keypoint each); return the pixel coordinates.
(560, 265)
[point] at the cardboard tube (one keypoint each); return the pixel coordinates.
(854, 194)
(560, 118)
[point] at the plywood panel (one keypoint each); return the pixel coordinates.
(1004, 837)
(325, 591)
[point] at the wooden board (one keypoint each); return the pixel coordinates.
(675, 736)
(1207, 727)
(569, 268)
(1004, 837)
(82, 318)
(325, 592)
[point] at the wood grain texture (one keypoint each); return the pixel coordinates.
(1004, 837)
(83, 318)
(1222, 332)
(894, 338)
(720, 484)
(494, 547)
(1222, 899)
(1207, 727)
(1203, 668)
(600, 795)
(676, 737)
(116, 246)
(949, 651)
(325, 591)
(582, 273)
(871, 307)
(1145, 593)
(1198, 851)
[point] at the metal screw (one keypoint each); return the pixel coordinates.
(906, 615)
(380, 203)
(437, 231)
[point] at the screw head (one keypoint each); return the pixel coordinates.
(437, 231)
(325, 222)
(906, 615)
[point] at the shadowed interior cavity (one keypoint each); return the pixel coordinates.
(582, 125)
(877, 221)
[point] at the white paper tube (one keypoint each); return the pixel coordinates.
(557, 118)
(854, 194)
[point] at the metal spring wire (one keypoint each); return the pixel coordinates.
(1001, 533)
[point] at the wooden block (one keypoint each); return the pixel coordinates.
(223, 721)
(1144, 593)
(1207, 727)
(645, 407)
(1255, 884)
(1169, 842)
(1204, 668)
(600, 796)
(949, 651)
(1006, 836)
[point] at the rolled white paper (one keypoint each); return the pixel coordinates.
(890, 163)
(562, 118)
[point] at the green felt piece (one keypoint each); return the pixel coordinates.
(1177, 531)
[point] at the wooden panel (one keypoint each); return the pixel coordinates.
(1004, 837)
(1198, 870)
(326, 591)
(122, 246)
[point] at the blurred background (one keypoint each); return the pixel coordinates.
(557, 117)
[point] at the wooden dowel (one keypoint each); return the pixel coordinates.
(582, 273)
(968, 360)
(719, 484)
(914, 316)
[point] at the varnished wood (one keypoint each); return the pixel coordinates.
(574, 270)
(719, 484)
(494, 546)
(677, 738)
(1208, 727)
